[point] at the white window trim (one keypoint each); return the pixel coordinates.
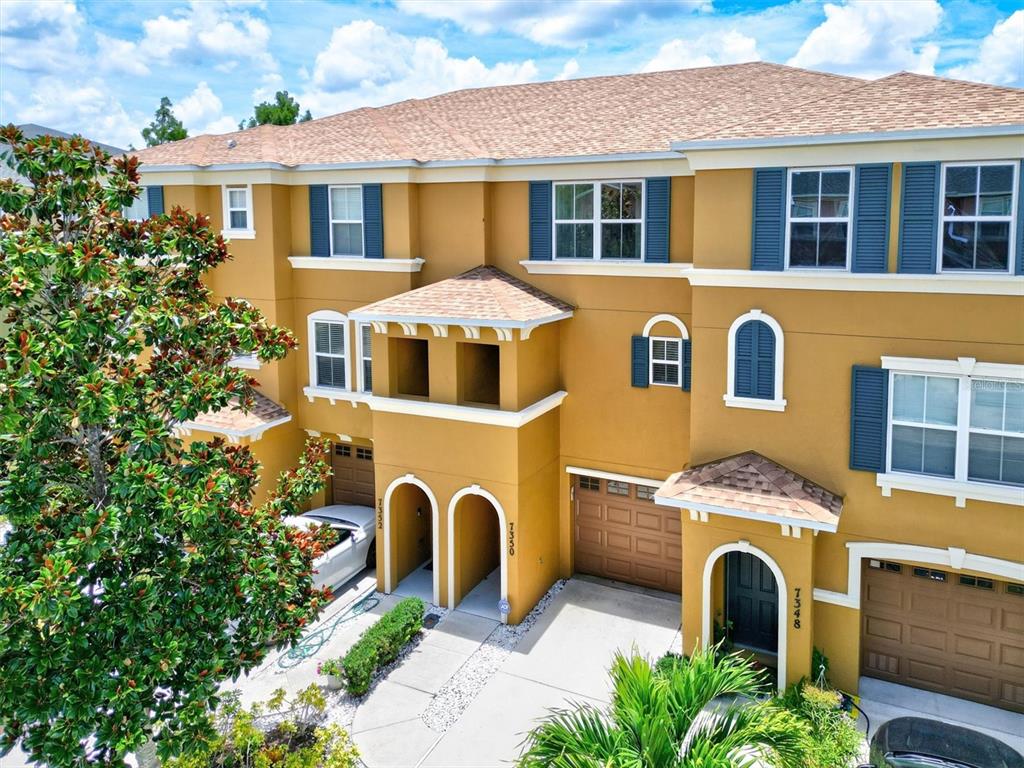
(1012, 218)
(327, 316)
(331, 221)
(777, 403)
(683, 336)
(248, 361)
(361, 358)
(247, 233)
(848, 219)
(957, 487)
(597, 220)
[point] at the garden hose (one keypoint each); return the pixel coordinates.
(311, 644)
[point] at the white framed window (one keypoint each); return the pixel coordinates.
(818, 207)
(238, 219)
(139, 209)
(666, 361)
(328, 351)
(346, 212)
(598, 220)
(365, 354)
(756, 363)
(977, 230)
(957, 426)
(248, 360)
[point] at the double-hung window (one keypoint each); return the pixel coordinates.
(328, 358)
(599, 220)
(238, 220)
(963, 428)
(978, 201)
(666, 360)
(818, 218)
(346, 220)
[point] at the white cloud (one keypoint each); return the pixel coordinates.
(568, 23)
(1000, 58)
(202, 111)
(37, 36)
(366, 64)
(569, 70)
(270, 84)
(707, 50)
(873, 38)
(120, 56)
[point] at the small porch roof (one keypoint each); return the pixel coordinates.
(484, 296)
(751, 486)
(234, 423)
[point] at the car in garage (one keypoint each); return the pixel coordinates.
(918, 742)
(355, 547)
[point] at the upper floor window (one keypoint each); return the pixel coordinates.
(346, 210)
(662, 360)
(958, 427)
(365, 357)
(599, 220)
(328, 345)
(978, 201)
(139, 209)
(238, 220)
(818, 218)
(755, 363)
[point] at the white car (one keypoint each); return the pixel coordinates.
(355, 548)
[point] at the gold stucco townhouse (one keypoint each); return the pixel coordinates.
(750, 334)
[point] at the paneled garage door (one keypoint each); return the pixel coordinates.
(943, 631)
(622, 534)
(353, 474)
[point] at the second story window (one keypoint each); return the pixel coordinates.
(599, 220)
(238, 219)
(328, 353)
(366, 357)
(666, 361)
(977, 216)
(346, 220)
(818, 218)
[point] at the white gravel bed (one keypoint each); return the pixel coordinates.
(452, 700)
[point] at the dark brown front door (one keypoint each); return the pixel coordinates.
(943, 631)
(353, 474)
(622, 534)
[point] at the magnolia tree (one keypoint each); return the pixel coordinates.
(139, 575)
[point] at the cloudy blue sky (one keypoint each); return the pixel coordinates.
(100, 68)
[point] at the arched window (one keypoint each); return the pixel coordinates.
(328, 350)
(755, 363)
(662, 360)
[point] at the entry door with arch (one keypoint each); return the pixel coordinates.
(751, 602)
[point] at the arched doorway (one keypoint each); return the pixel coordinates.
(410, 539)
(478, 565)
(744, 594)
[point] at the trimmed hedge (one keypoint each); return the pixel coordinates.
(379, 645)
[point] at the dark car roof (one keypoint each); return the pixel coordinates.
(923, 736)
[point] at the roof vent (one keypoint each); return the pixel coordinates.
(232, 143)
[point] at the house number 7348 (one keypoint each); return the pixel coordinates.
(796, 607)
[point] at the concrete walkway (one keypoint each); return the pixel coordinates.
(563, 658)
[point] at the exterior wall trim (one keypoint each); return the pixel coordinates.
(233, 435)
(780, 580)
(465, 412)
(634, 479)
(356, 263)
(503, 550)
(664, 318)
(882, 282)
(435, 516)
(851, 138)
(369, 317)
(606, 268)
(959, 490)
(714, 509)
(953, 557)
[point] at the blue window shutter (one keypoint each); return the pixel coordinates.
(687, 364)
(1019, 260)
(869, 409)
(640, 368)
(319, 221)
(373, 222)
(656, 214)
(764, 362)
(155, 199)
(919, 218)
(743, 365)
(873, 198)
(540, 221)
(769, 229)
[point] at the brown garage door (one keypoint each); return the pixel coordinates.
(353, 475)
(943, 631)
(622, 534)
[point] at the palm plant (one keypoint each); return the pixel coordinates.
(660, 718)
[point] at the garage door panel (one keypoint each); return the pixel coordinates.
(971, 684)
(674, 552)
(977, 615)
(885, 665)
(974, 647)
(647, 521)
(353, 475)
(884, 595)
(925, 673)
(928, 606)
(884, 629)
(929, 639)
(1013, 620)
(587, 535)
(1012, 696)
(649, 547)
(1011, 656)
(589, 510)
(619, 515)
(620, 567)
(622, 542)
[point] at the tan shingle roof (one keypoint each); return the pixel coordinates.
(232, 421)
(483, 295)
(900, 102)
(749, 485)
(589, 116)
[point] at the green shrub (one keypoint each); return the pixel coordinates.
(835, 738)
(379, 645)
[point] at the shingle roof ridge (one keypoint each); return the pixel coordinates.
(943, 78)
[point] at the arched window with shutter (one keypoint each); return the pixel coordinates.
(756, 348)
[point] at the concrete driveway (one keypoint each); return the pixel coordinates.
(563, 659)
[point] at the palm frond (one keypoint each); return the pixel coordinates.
(577, 738)
(707, 675)
(743, 735)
